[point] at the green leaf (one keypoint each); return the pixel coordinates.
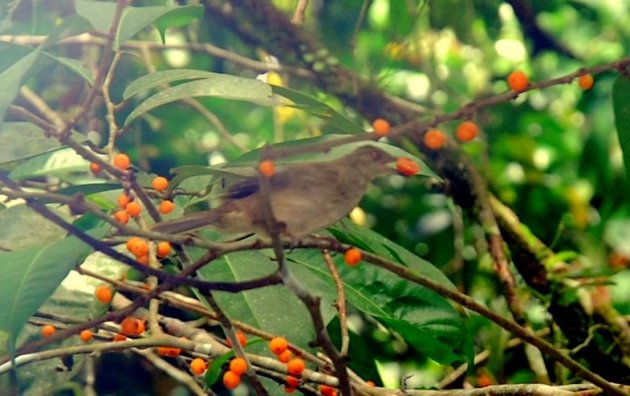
(220, 85)
(216, 368)
(319, 109)
(252, 157)
(74, 65)
(181, 16)
(59, 163)
(135, 19)
(13, 76)
(274, 308)
(156, 79)
(100, 14)
(22, 140)
(31, 275)
(83, 189)
(428, 321)
(11, 80)
(621, 107)
(11, 49)
(20, 227)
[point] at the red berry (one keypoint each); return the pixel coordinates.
(517, 81)
(277, 345)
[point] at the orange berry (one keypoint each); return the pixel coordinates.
(267, 168)
(238, 366)
(381, 127)
(407, 166)
(166, 206)
(119, 337)
(138, 246)
(123, 200)
(132, 326)
(160, 183)
(466, 131)
(163, 249)
(122, 161)
(586, 81)
(326, 390)
(289, 389)
(277, 345)
(484, 380)
(95, 168)
(122, 216)
(133, 209)
(168, 351)
(104, 294)
(292, 381)
(517, 81)
(86, 335)
(242, 339)
(231, 380)
(144, 260)
(352, 256)
(371, 384)
(48, 330)
(617, 260)
(285, 356)
(198, 366)
(434, 139)
(296, 366)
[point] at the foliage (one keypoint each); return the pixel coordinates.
(529, 219)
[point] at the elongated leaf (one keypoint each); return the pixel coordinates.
(23, 140)
(621, 107)
(220, 85)
(11, 80)
(270, 308)
(319, 109)
(56, 163)
(253, 156)
(30, 276)
(156, 79)
(12, 77)
(181, 16)
(20, 227)
(427, 320)
(100, 14)
(136, 19)
(74, 65)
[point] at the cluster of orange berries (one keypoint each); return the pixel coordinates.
(518, 81)
(232, 377)
(129, 326)
(466, 131)
(279, 346)
(49, 330)
(128, 206)
(405, 166)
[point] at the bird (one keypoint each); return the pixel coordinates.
(304, 197)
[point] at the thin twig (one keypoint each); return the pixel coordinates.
(340, 304)
(298, 13)
(109, 105)
(173, 372)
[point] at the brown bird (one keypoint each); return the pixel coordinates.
(304, 197)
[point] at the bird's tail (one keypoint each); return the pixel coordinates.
(190, 222)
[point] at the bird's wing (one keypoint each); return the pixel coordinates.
(250, 186)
